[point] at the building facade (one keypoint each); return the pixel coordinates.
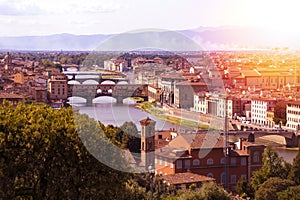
(293, 115)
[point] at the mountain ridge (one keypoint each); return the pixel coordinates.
(210, 38)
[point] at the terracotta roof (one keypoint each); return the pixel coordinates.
(211, 139)
(146, 121)
(187, 177)
(4, 95)
(238, 153)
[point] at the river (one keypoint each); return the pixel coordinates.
(117, 114)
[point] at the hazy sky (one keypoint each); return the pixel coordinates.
(44, 17)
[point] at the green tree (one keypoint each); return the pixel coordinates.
(295, 169)
(208, 191)
(292, 193)
(131, 137)
(43, 157)
(270, 188)
(243, 188)
(273, 166)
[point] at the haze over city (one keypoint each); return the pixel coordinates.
(275, 22)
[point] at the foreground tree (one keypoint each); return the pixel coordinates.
(270, 188)
(244, 189)
(292, 193)
(273, 166)
(43, 157)
(208, 191)
(295, 169)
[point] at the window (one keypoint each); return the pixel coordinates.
(160, 162)
(233, 161)
(187, 164)
(159, 136)
(210, 161)
(233, 179)
(244, 176)
(243, 161)
(196, 162)
(179, 164)
(223, 160)
(256, 157)
(166, 163)
(178, 187)
(172, 166)
(155, 160)
(210, 175)
(223, 178)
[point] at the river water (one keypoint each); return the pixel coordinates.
(117, 114)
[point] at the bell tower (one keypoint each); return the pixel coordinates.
(8, 61)
(147, 143)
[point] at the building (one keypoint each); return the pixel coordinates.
(147, 143)
(293, 115)
(167, 84)
(119, 65)
(154, 93)
(259, 108)
(57, 87)
(183, 181)
(184, 93)
(204, 154)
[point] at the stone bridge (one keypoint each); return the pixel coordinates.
(288, 138)
(99, 77)
(119, 92)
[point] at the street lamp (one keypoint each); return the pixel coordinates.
(151, 171)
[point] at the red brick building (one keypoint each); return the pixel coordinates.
(203, 153)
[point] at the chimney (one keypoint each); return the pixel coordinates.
(240, 144)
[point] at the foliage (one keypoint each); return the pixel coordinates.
(42, 156)
(295, 169)
(126, 136)
(208, 191)
(270, 188)
(273, 166)
(131, 137)
(292, 193)
(243, 188)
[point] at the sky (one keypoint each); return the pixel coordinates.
(85, 17)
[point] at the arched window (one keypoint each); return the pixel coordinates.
(223, 160)
(210, 175)
(210, 161)
(256, 157)
(223, 178)
(196, 162)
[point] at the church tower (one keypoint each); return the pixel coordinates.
(147, 143)
(8, 61)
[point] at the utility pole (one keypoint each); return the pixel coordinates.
(226, 145)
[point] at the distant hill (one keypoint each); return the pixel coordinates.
(205, 37)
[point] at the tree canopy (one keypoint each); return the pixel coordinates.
(42, 156)
(273, 166)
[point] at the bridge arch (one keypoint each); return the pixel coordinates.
(274, 138)
(122, 83)
(90, 82)
(73, 82)
(77, 100)
(104, 99)
(108, 82)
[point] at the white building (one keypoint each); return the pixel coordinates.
(259, 108)
(200, 103)
(293, 115)
(213, 104)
